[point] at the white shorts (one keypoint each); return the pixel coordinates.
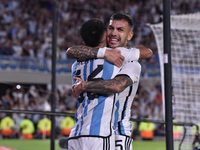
(123, 142)
(91, 143)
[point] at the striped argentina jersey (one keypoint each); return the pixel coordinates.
(94, 116)
(122, 114)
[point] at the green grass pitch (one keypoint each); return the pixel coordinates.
(45, 144)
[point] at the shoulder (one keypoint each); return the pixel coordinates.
(134, 64)
(123, 49)
(133, 48)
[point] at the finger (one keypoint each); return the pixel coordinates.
(73, 89)
(119, 63)
(75, 78)
(76, 82)
(122, 57)
(79, 79)
(74, 85)
(118, 51)
(76, 96)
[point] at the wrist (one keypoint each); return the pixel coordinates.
(101, 52)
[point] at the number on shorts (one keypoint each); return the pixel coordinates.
(118, 144)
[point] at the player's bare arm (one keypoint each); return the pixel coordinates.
(82, 53)
(106, 87)
(144, 52)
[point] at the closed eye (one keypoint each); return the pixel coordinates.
(110, 27)
(120, 29)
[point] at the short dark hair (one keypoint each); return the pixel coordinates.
(121, 16)
(92, 32)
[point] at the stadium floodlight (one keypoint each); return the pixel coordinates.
(185, 59)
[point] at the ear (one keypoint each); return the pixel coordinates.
(130, 35)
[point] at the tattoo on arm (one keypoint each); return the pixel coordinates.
(124, 80)
(108, 87)
(82, 53)
(101, 87)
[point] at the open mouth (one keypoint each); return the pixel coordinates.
(114, 40)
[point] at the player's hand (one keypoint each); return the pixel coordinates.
(114, 57)
(77, 87)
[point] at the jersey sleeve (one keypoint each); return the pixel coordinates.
(134, 54)
(132, 69)
(130, 54)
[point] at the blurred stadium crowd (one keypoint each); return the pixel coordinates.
(26, 25)
(26, 31)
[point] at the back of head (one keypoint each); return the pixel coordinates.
(92, 32)
(121, 16)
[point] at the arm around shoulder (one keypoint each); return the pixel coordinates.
(82, 52)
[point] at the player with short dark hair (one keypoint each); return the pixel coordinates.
(125, 17)
(92, 32)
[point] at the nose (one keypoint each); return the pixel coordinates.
(114, 32)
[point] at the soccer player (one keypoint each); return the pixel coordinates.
(119, 32)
